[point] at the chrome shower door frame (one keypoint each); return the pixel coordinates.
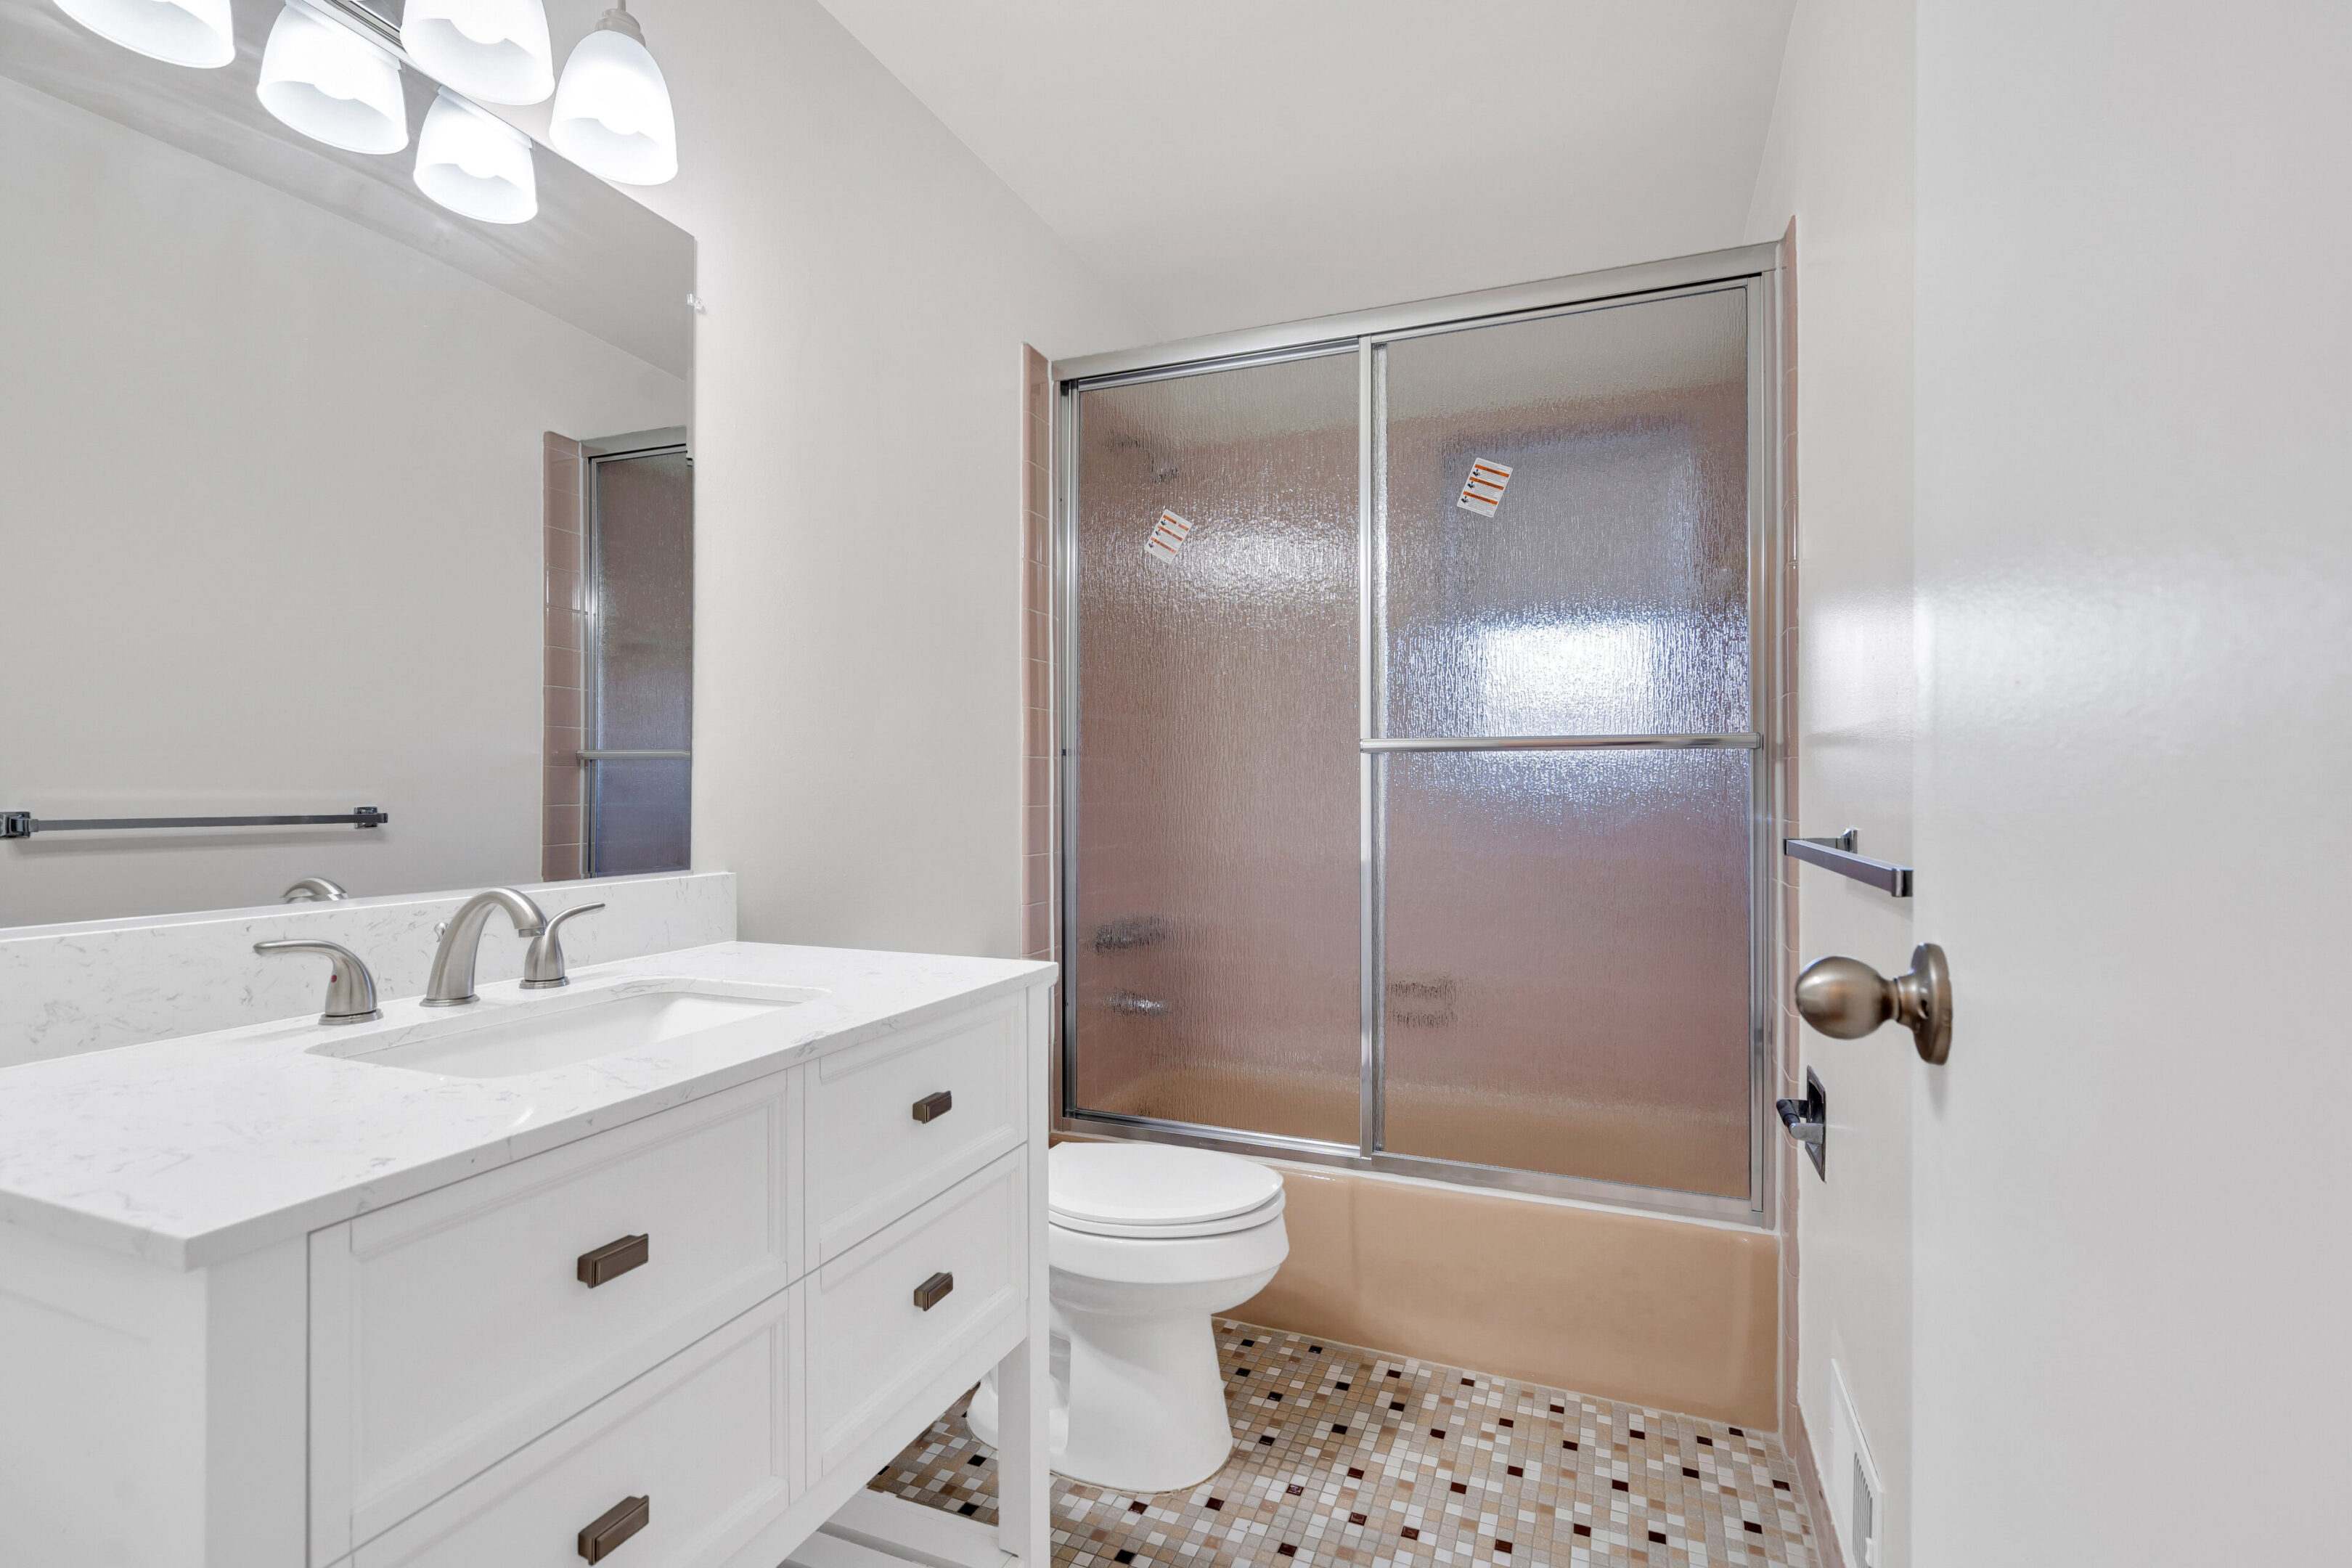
(1753, 268)
(592, 757)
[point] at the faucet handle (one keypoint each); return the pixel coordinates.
(543, 966)
(350, 989)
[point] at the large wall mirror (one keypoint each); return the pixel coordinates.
(316, 495)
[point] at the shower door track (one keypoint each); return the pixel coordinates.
(1755, 267)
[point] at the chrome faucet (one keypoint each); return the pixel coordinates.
(313, 890)
(543, 966)
(451, 984)
(350, 989)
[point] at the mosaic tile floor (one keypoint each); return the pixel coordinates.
(1349, 1456)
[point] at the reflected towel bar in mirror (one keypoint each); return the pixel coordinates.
(23, 823)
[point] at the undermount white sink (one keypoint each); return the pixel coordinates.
(507, 1037)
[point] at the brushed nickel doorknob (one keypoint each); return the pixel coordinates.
(1846, 999)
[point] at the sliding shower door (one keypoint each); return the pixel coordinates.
(639, 714)
(1418, 802)
(1565, 925)
(1213, 926)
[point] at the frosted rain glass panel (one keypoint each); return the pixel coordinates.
(1566, 963)
(1608, 595)
(644, 666)
(1214, 950)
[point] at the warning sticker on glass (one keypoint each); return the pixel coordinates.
(1481, 492)
(1168, 536)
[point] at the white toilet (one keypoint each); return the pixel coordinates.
(1146, 1241)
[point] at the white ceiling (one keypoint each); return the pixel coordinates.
(1230, 163)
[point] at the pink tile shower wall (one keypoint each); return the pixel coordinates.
(561, 847)
(1040, 857)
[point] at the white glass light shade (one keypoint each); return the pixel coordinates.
(331, 84)
(474, 164)
(180, 32)
(611, 114)
(495, 50)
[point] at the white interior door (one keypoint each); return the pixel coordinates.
(2115, 1262)
(2076, 622)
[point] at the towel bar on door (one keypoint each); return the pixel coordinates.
(1837, 854)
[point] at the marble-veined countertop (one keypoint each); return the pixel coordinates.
(188, 1150)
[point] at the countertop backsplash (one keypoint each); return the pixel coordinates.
(95, 984)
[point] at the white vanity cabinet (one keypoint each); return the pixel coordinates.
(683, 1341)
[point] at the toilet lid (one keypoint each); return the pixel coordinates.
(1147, 1189)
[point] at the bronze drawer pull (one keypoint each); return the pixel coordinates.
(931, 1106)
(610, 1262)
(616, 1524)
(934, 1291)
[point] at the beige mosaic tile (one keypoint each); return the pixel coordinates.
(1347, 1456)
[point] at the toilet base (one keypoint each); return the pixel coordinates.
(1147, 1409)
(1149, 1413)
(1138, 1396)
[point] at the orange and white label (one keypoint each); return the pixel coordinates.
(1168, 536)
(1481, 492)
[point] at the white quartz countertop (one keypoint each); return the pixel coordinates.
(189, 1151)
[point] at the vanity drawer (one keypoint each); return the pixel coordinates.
(896, 1119)
(872, 1344)
(449, 1330)
(706, 1439)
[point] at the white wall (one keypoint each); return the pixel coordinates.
(1839, 158)
(869, 285)
(1231, 163)
(2134, 559)
(272, 530)
(2072, 396)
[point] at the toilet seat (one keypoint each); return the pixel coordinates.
(1158, 1190)
(1223, 1225)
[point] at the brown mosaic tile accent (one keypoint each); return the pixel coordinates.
(1347, 1456)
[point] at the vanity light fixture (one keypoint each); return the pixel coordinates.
(494, 51)
(332, 85)
(612, 112)
(474, 164)
(178, 32)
